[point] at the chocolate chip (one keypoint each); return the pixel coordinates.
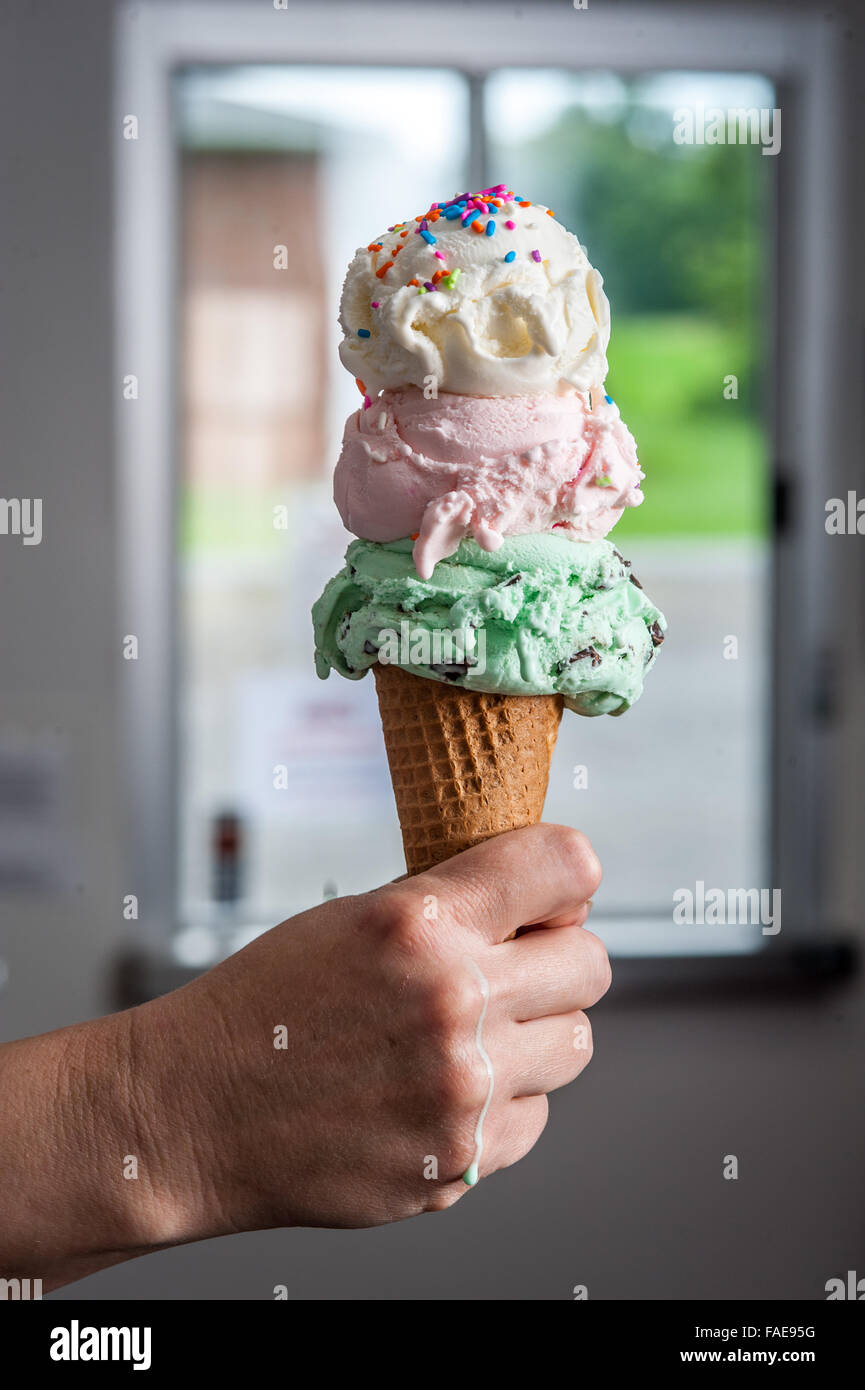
(452, 670)
(657, 634)
(634, 580)
(514, 579)
(578, 656)
(621, 557)
(370, 648)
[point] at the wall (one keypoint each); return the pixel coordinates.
(625, 1191)
(61, 667)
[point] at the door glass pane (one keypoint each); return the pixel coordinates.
(284, 172)
(284, 791)
(677, 790)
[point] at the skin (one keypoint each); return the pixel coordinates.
(379, 1069)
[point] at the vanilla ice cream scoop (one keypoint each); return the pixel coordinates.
(485, 295)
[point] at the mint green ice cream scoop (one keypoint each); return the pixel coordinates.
(542, 615)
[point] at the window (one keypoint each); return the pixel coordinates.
(680, 233)
(248, 414)
(284, 173)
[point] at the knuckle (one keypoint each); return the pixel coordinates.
(459, 1082)
(464, 999)
(458, 1076)
(590, 864)
(577, 849)
(523, 1129)
(537, 1114)
(586, 1050)
(392, 916)
(444, 1007)
(599, 971)
(566, 839)
(541, 1116)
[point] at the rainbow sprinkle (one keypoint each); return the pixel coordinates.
(363, 332)
(475, 211)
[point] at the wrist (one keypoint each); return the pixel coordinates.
(65, 1206)
(168, 1105)
(112, 1145)
(106, 1145)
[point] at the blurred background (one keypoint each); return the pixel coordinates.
(683, 232)
(188, 182)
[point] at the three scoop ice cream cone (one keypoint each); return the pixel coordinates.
(481, 475)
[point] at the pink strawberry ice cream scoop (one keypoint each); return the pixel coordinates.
(442, 469)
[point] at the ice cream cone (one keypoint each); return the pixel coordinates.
(504, 542)
(465, 765)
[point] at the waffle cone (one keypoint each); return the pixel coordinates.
(464, 765)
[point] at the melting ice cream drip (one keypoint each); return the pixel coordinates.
(470, 1176)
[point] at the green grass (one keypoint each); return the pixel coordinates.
(704, 457)
(230, 519)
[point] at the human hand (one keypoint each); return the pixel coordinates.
(312, 1078)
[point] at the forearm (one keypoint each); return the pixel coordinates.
(69, 1141)
(303, 1080)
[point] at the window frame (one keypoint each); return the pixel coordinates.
(794, 51)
